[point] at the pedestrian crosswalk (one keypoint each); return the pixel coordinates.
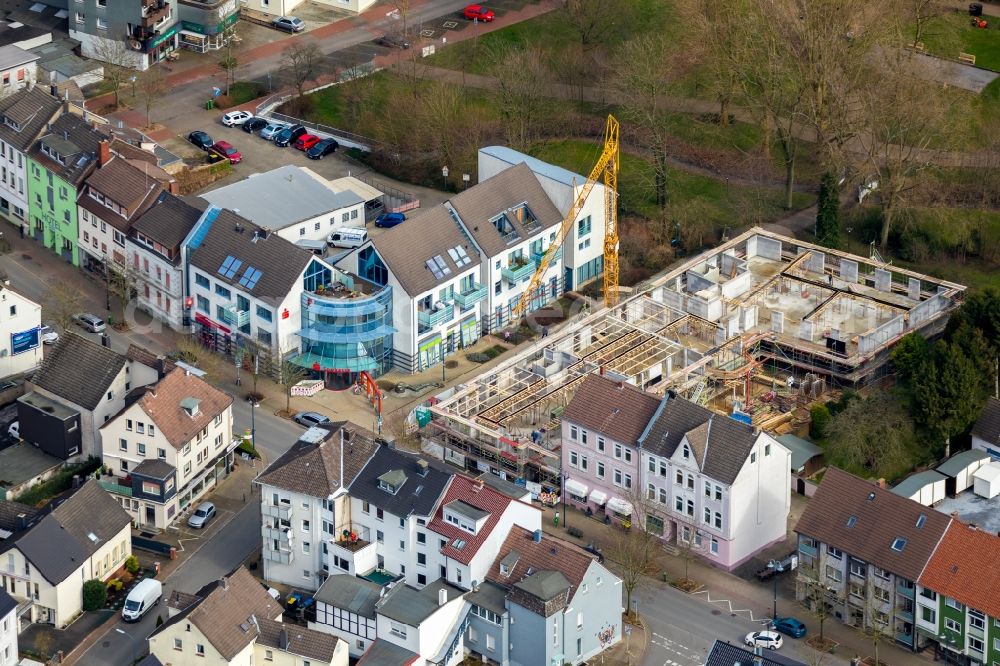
(676, 653)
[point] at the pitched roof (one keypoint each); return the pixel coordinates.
(880, 517)
(149, 359)
(15, 516)
(479, 205)
(154, 468)
(168, 221)
(297, 640)
(962, 461)
(987, 427)
(11, 56)
(124, 185)
(30, 108)
(383, 653)
(966, 567)
(617, 410)
(411, 606)
(721, 444)
(351, 593)
(556, 173)
(78, 370)
(279, 261)
(406, 248)
(7, 603)
(162, 403)
(312, 465)
(520, 552)
(479, 496)
(417, 494)
(52, 551)
(76, 141)
(281, 197)
(913, 483)
(727, 654)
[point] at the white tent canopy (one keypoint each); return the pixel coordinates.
(575, 488)
(597, 497)
(620, 506)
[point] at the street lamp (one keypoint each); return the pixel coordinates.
(775, 565)
(564, 476)
(444, 174)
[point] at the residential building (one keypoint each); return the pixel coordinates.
(469, 527)
(724, 653)
(9, 655)
(304, 500)
(85, 536)
(278, 8)
(429, 622)
(169, 446)
(986, 431)
(204, 25)
(292, 201)
(345, 607)
(154, 250)
(234, 621)
(20, 319)
(114, 195)
(25, 114)
(86, 378)
(18, 68)
(58, 163)
(545, 601)
(862, 550)
(244, 287)
(601, 428)
(138, 33)
(392, 500)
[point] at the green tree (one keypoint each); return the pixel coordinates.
(980, 310)
(828, 211)
(874, 434)
(95, 594)
(819, 421)
(132, 564)
(909, 357)
(961, 388)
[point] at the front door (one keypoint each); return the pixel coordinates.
(150, 515)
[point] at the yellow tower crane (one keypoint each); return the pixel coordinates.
(605, 169)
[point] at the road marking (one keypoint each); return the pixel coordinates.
(728, 604)
(682, 651)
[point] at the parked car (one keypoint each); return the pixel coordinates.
(789, 626)
(271, 130)
(765, 639)
(309, 419)
(322, 149)
(289, 135)
(393, 41)
(141, 598)
(226, 150)
(201, 515)
(234, 118)
(478, 13)
(289, 24)
(254, 124)
(307, 141)
(90, 322)
(47, 335)
(348, 237)
(14, 430)
(389, 220)
(200, 139)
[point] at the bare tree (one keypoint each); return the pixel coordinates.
(213, 365)
(63, 302)
(229, 63)
(818, 598)
(151, 86)
(119, 62)
(122, 283)
(877, 622)
(289, 374)
(594, 21)
(520, 92)
(403, 8)
(301, 60)
(633, 548)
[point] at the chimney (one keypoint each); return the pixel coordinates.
(283, 639)
(954, 514)
(174, 188)
(22, 521)
(224, 583)
(477, 486)
(421, 467)
(442, 597)
(882, 484)
(54, 90)
(621, 385)
(537, 536)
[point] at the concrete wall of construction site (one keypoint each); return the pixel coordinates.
(764, 247)
(848, 271)
(697, 282)
(881, 335)
(738, 285)
(816, 260)
(710, 310)
(923, 311)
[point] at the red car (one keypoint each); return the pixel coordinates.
(225, 150)
(478, 13)
(307, 141)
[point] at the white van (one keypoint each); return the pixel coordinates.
(143, 596)
(349, 237)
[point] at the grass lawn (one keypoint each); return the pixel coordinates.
(957, 31)
(731, 205)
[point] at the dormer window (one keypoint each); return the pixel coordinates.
(391, 482)
(14, 125)
(190, 406)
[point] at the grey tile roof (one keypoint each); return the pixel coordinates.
(154, 469)
(350, 593)
(7, 603)
(617, 410)
(52, 551)
(78, 370)
(281, 197)
(411, 606)
(31, 109)
(279, 261)
(987, 427)
(168, 221)
(406, 248)
(727, 654)
(313, 468)
(383, 653)
(74, 139)
(490, 596)
(11, 513)
(477, 205)
(880, 517)
(467, 510)
(297, 640)
(419, 495)
(91, 516)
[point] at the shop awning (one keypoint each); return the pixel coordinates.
(576, 488)
(620, 506)
(597, 497)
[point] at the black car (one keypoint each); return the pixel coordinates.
(289, 135)
(393, 41)
(254, 124)
(322, 149)
(201, 139)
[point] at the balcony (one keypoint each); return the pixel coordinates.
(515, 273)
(806, 549)
(435, 317)
(279, 533)
(903, 590)
(116, 488)
(467, 299)
(904, 639)
(282, 511)
(238, 318)
(536, 257)
(279, 556)
(903, 613)
(352, 551)
(153, 13)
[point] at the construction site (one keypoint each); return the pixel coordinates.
(755, 329)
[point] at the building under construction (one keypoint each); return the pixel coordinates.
(750, 329)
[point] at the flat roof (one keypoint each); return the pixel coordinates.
(551, 171)
(22, 462)
(359, 187)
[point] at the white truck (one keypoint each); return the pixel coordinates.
(141, 598)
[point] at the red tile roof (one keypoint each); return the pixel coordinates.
(966, 567)
(549, 554)
(475, 494)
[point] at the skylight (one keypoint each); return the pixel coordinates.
(852, 521)
(871, 496)
(459, 544)
(899, 544)
(459, 256)
(438, 267)
(229, 267)
(92, 537)
(921, 520)
(250, 277)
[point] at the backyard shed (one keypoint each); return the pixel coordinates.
(959, 469)
(806, 460)
(924, 487)
(987, 480)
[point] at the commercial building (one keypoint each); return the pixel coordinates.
(20, 346)
(135, 33)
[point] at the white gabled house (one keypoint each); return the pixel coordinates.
(8, 630)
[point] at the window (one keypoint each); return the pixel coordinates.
(898, 544)
(379, 513)
(574, 432)
(583, 227)
(618, 477)
(767, 449)
(380, 536)
(715, 546)
(952, 603)
(880, 573)
(708, 489)
(858, 568)
(199, 280)
(835, 553)
(928, 615)
(928, 594)
(686, 452)
(952, 625)
(690, 482)
(628, 455)
(199, 649)
(178, 644)
(976, 619)
(203, 304)
(679, 479)
(268, 655)
(306, 573)
(161, 454)
(834, 574)
(574, 459)
(618, 451)
(306, 547)
(975, 644)
(366, 507)
(123, 445)
(718, 520)
(140, 427)
(753, 457)
(141, 448)
(880, 593)
(600, 444)
(600, 470)
(718, 492)
(305, 525)
(397, 629)
(491, 643)
(690, 507)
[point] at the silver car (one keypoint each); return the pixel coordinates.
(201, 515)
(90, 322)
(271, 130)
